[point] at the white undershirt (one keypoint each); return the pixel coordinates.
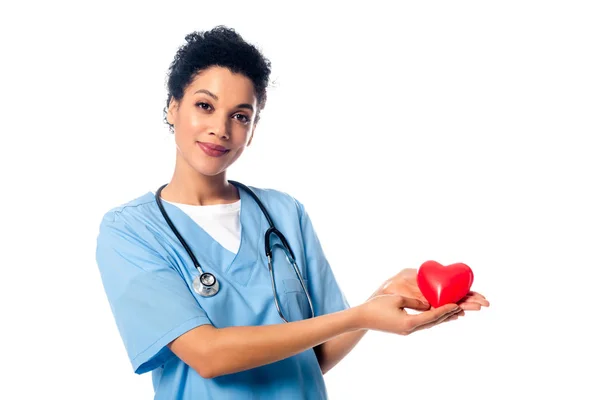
(221, 221)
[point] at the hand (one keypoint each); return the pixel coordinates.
(386, 313)
(405, 283)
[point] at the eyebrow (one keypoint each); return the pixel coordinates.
(214, 96)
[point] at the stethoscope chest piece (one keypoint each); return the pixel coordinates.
(206, 285)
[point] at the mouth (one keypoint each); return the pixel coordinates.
(213, 150)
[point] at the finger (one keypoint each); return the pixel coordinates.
(445, 318)
(479, 298)
(473, 293)
(482, 303)
(433, 314)
(450, 318)
(421, 298)
(454, 317)
(407, 302)
(475, 299)
(472, 298)
(471, 306)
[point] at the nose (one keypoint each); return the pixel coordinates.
(220, 127)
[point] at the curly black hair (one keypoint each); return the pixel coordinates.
(220, 46)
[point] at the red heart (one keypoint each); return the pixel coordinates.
(443, 284)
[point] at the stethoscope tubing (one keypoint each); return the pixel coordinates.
(210, 289)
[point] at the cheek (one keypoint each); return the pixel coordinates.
(187, 131)
(193, 122)
(239, 135)
(237, 154)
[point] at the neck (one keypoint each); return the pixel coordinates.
(187, 186)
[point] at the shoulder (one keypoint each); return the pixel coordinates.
(129, 228)
(278, 199)
(132, 212)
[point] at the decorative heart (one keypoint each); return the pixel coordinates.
(443, 284)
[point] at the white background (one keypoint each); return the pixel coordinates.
(456, 131)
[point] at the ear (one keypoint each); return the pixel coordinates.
(251, 135)
(173, 107)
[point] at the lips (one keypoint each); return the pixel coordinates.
(213, 150)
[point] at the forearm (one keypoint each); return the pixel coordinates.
(240, 348)
(333, 351)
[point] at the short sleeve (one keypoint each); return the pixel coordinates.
(326, 294)
(150, 301)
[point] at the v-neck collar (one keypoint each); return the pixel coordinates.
(211, 255)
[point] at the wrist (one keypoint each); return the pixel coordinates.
(356, 318)
(378, 292)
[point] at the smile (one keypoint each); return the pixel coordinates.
(213, 150)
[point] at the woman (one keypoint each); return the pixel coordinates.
(187, 269)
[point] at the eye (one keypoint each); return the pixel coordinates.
(204, 106)
(242, 118)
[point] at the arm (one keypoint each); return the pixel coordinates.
(214, 352)
(333, 351)
(404, 283)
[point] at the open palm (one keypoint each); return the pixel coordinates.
(405, 284)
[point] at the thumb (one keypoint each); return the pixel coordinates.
(415, 304)
(423, 304)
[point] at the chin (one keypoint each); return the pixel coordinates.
(211, 170)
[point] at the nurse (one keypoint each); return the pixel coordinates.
(234, 344)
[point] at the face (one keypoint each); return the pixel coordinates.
(214, 121)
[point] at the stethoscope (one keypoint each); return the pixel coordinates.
(207, 285)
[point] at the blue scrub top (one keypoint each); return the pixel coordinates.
(147, 276)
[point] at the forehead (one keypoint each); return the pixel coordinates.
(226, 85)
